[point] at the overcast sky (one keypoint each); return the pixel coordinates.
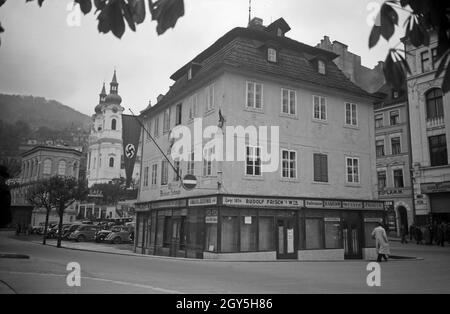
(41, 55)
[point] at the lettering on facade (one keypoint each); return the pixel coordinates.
(168, 204)
(262, 202)
(203, 201)
(332, 219)
(373, 205)
(352, 205)
(332, 204)
(211, 219)
(435, 187)
(314, 203)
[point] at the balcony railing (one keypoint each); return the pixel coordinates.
(435, 122)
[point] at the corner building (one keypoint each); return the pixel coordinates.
(320, 203)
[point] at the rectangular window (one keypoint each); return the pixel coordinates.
(146, 176)
(394, 117)
(352, 169)
(194, 107)
(314, 234)
(272, 55)
(333, 235)
(288, 101)
(320, 108)
(398, 178)
(266, 234)
(156, 127)
(166, 121)
(379, 147)
(395, 146)
(379, 121)
(229, 234)
(438, 150)
(209, 98)
(320, 168)
(289, 164)
(351, 117)
(253, 161)
(248, 233)
(164, 172)
(254, 95)
(425, 61)
(381, 175)
(167, 235)
(178, 114)
(154, 174)
(191, 164)
(207, 162)
(321, 67)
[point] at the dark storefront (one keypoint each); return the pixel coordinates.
(439, 195)
(262, 228)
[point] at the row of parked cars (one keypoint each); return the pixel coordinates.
(88, 231)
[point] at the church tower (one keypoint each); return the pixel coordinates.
(105, 140)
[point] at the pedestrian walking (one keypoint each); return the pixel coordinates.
(403, 233)
(441, 234)
(381, 242)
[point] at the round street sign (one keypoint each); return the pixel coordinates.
(189, 182)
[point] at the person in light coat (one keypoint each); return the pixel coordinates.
(381, 241)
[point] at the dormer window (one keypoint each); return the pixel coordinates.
(321, 67)
(280, 32)
(394, 94)
(272, 55)
(189, 74)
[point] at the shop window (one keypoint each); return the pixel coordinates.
(266, 234)
(183, 233)
(333, 235)
(159, 231)
(211, 238)
(229, 234)
(248, 233)
(314, 234)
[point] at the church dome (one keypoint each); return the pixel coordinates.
(113, 99)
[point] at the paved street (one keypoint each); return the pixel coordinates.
(45, 272)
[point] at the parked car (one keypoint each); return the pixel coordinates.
(118, 235)
(101, 235)
(84, 233)
(69, 229)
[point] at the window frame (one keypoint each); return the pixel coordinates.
(253, 107)
(289, 161)
(320, 119)
(394, 170)
(289, 94)
(390, 117)
(321, 67)
(274, 55)
(358, 168)
(254, 166)
(321, 174)
(355, 118)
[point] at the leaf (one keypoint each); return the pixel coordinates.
(389, 18)
(127, 13)
(416, 33)
(166, 13)
(394, 72)
(100, 4)
(2, 2)
(116, 19)
(139, 11)
(85, 6)
(374, 36)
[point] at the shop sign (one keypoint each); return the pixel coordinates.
(211, 219)
(248, 220)
(352, 205)
(262, 202)
(437, 187)
(169, 204)
(332, 219)
(203, 201)
(373, 205)
(332, 204)
(314, 203)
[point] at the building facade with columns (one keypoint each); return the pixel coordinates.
(320, 199)
(430, 136)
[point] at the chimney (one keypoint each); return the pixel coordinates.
(256, 23)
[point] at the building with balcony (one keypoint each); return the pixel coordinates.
(320, 199)
(430, 121)
(392, 148)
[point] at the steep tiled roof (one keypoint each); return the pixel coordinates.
(241, 48)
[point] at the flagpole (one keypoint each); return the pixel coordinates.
(151, 137)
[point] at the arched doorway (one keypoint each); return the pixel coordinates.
(403, 218)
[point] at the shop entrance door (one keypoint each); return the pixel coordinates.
(286, 244)
(351, 235)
